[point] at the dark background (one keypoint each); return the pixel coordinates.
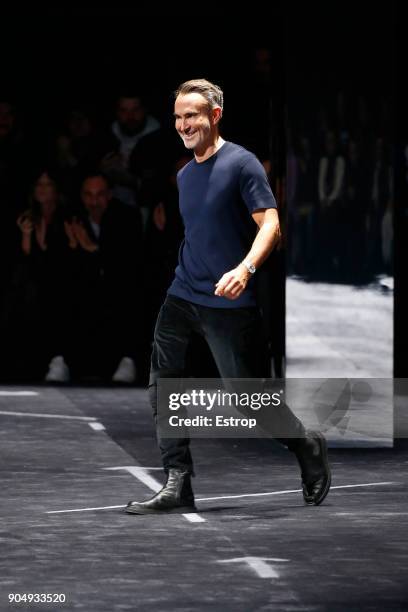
(54, 59)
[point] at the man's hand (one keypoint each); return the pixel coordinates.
(69, 231)
(159, 217)
(233, 283)
(81, 235)
(25, 224)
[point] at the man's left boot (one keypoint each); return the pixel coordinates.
(176, 496)
(311, 454)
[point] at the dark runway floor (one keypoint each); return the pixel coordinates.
(71, 458)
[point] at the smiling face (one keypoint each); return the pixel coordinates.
(96, 196)
(195, 122)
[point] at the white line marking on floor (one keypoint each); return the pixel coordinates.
(367, 484)
(258, 564)
(47, 416)
(249, 495)
(84, 509)
(18, 393)
(142, 474)
(366, 513)
(200, 499)
(370, 484)
(97, 426)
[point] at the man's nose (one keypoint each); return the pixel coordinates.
(184, 126)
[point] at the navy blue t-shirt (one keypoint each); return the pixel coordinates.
(217, 198)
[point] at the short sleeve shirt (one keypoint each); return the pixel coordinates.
(217, 198)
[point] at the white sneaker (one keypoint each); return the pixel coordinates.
(125, 372)
(58, 370)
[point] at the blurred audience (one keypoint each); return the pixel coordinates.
(85, 268)
(340, 201)
(108, 302)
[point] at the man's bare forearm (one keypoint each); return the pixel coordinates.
(266, 240)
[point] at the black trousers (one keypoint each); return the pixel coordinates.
(233, 336)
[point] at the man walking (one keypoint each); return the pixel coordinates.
(231, 226)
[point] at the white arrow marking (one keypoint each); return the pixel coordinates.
(258, 564)
(142, 474)
(97, 426)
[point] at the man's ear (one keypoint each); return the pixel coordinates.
(217, 114)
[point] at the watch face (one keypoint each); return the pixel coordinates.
(251, 268)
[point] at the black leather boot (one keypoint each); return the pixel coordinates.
(176, 496)
(316, 477)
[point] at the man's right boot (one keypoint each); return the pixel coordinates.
(311, 454)
(176, 496)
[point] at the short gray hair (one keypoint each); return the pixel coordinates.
(212, 93)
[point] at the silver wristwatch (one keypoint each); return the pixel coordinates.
(249, 266)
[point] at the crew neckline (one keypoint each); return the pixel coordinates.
(211, 156)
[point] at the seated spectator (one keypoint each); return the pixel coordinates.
(108, 304)
(42, 280)
(132, 124)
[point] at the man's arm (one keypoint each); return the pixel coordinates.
(234, 282)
